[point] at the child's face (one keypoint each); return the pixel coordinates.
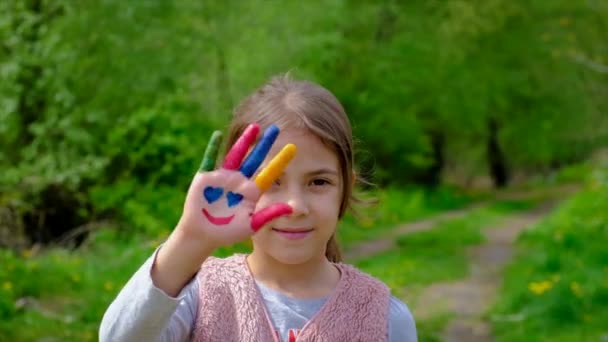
(312, 185)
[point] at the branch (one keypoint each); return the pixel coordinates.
(85, 229)
(593, 65)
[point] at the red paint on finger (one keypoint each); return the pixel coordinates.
(269, 213)
(239, 149)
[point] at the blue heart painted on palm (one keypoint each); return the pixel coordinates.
(233, 198)
(212, 194)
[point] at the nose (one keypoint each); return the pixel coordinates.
(298, 202)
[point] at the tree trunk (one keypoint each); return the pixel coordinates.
(496, 158)
(432, 175)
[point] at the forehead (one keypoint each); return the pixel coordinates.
(312, 153)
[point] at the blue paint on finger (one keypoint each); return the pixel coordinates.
(212, 194)
(233, 198)
(256, 157)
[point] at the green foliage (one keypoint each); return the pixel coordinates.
(129, 102)
(435, 68)
(557, 289)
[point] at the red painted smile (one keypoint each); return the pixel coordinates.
(217, 220)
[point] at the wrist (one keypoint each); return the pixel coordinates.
(178, 260)
(187, 233)
(192, 246)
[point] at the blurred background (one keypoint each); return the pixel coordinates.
(489, 109)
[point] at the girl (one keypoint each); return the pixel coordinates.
(293, 286)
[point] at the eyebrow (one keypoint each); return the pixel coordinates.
(322, 171)
(318, 172)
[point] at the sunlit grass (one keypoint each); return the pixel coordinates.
(557, 288)
(62, 294)
(437, 255)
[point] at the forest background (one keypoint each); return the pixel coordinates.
(106, 107)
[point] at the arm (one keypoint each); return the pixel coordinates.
(178, 261)
(401, 325)
(218, 211)
(143, 312)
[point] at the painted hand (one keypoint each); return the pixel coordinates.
(220, 204)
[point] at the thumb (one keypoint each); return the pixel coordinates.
(268, 214)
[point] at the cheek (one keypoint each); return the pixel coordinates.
(334, 202)
(261, 238)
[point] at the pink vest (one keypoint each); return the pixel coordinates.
(231, 307)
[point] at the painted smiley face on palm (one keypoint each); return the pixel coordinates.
(213, 194)
(231, 195)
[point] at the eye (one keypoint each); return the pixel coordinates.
(320, 182)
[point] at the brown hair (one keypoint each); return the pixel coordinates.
(290, 103)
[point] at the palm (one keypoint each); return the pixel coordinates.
(212, 205)
(220, 204)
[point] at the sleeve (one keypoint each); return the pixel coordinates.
(143, 312)
(401, 325)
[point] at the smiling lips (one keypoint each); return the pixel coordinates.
(217, 220)
(293, 234)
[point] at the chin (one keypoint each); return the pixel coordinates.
(292, 256)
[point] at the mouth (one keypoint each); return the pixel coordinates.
(217, 220)
(293, 233)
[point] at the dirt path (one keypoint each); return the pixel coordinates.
(470, 298)
(370, 248)
(387, 242)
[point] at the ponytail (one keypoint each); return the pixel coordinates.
(333, 253)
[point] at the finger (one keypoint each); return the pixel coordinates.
(256, 157)
(259, 219)
(240, 148)
(275, 167)
(210, 156)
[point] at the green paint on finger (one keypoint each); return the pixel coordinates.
(211, 151)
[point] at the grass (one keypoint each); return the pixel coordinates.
(557, 287)
(436, 255)
(63, 295)
(430, 330)
(396, 206)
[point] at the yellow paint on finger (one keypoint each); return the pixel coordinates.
(276, 166)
